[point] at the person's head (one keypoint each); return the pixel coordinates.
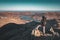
(43, 17)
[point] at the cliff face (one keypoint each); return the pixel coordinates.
(11, 20)
(53, 15)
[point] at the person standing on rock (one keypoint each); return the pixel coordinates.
(43, 23)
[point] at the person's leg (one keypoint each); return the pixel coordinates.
(43, 29)
(38, 26)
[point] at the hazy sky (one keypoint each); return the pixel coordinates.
(29, 5)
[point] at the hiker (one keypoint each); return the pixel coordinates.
(43, 23)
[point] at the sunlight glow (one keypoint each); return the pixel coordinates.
(27, 8)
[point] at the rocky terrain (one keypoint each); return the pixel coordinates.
(12, 31)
